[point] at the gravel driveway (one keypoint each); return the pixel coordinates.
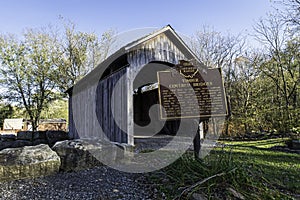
(97, 183)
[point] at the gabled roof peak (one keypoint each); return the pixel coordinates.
(167, 30)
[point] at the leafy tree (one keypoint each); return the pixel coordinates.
(57, 109)
(290, 13)
(77, 53)
(6, 111)
(217, 50)
(281, 68)
(35, 68)
(28, 71)
(245, 91)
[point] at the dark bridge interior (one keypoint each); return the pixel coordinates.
(146, 96)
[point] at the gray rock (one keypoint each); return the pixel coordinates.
(25, 135)
(8, 137)
(83, 153)
(55, 136)
(15, 144)
(40, 135)
(21, 143)
(28, 162)
(197, 196)
(39, 141)
(5, 144)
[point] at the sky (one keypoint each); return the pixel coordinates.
(186, 17)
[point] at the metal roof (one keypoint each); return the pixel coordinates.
(170, 33)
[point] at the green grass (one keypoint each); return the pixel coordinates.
(246, 169)
(259, 143)
(280, 169)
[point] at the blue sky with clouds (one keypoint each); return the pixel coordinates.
(232, 16)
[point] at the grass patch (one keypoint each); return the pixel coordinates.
(259, 143)
(241, 170)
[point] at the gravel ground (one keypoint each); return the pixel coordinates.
(97, 184)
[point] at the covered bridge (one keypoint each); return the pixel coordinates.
(115, 97)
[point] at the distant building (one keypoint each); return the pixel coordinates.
(52, 124)
(20, 124)
(16, 125)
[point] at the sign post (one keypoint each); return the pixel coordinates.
(177, 87)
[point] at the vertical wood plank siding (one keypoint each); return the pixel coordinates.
(120, 128)
(112, 110)
(159, 48)
(101, 93)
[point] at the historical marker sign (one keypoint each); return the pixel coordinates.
(180, 91)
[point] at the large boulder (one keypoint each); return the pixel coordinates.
(40, 135)
(14, 144)
(7, 140)
(39, 141)
(6, 144)
(21, 143)
(7, 137)
(25, 135)
(55, 136)
(81, 154)
(28, 162)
